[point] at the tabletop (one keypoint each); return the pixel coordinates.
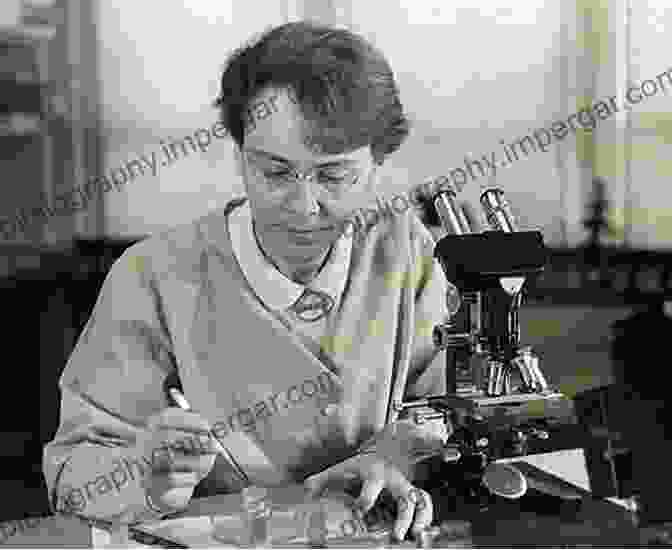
(590, 523)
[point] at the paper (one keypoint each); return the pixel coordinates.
(569, 465)
(225, 531)
(195, 532)
(288, 525)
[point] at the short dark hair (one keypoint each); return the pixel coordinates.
(343, 84)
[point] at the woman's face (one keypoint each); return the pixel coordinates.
(298, 219)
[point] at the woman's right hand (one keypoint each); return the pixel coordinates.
(182, 451)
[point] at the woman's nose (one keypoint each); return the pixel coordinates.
(302, 200)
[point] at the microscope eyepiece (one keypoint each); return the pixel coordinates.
(498, 211)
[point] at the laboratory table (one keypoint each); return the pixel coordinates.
(590, 522)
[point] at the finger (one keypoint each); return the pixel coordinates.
(164, 482)
(199, 465)
(170, 491)
(401, 489)
(346, 470)
(200, 444)
(370, 492)
(174, 418)
(162, 456)
(424, 509)
(178, 461)
(405, 513)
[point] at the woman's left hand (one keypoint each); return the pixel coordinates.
(414, 506)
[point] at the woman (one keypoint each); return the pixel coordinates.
(285, 329)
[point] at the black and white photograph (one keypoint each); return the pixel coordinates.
(335, 273)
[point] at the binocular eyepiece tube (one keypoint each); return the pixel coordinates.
(498, 211)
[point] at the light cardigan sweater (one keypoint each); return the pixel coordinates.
(284, 405)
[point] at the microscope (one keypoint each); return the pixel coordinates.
(498, 402)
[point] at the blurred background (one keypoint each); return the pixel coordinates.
(89, 87)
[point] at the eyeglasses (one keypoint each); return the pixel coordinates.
(280, 176)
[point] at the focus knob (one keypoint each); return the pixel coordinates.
(445, 336)
(453, 299)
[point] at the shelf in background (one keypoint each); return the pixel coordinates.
(604, 277)
(20, 125)
(26, 33)
(30, 20)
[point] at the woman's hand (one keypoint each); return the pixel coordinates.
(182, 452)
(414, 506)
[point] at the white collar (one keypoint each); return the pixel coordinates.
(272, 287)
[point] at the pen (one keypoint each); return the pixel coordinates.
(181, 401)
